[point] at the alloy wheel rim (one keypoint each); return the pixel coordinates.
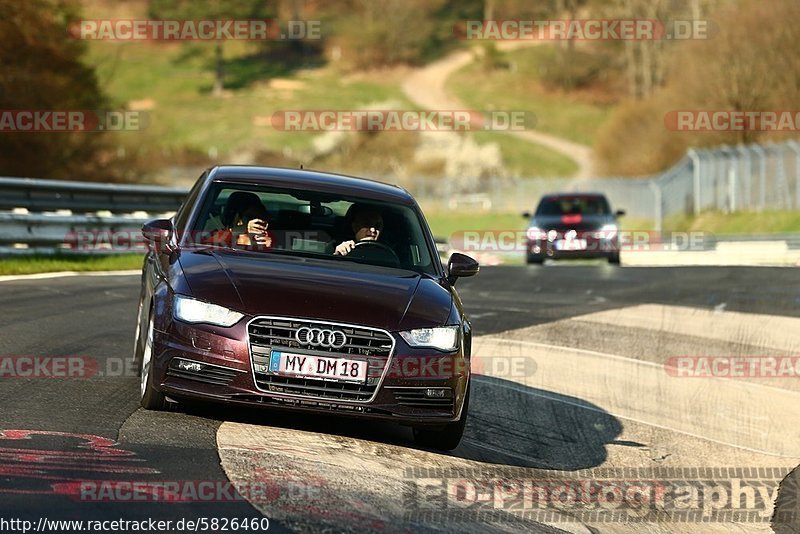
(138, 329)
(146, 357)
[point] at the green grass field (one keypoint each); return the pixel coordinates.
(171, 83)
(174, 90)
(522, 158)
(574, 116)
(742, 223)
(62, 262)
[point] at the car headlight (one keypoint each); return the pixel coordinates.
(535, 233)
(608, 231)
(442, 338)
(195, 311)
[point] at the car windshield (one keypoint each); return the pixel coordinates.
(321, 225)
(574, 205)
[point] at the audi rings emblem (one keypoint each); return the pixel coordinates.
(318, 337)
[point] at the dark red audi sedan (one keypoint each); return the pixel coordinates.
(305, 291)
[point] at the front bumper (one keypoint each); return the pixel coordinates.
(591, 247)
(216, 364)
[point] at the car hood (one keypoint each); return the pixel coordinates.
(579, 223)
(346, 292)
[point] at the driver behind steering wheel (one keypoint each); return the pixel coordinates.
(367, 224)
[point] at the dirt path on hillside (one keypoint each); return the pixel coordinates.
(426, 88)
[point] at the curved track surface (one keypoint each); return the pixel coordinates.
(571, 386)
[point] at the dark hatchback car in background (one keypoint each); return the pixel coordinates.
(377, 333)
(572, 226)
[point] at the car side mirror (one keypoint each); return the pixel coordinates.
(526, 215)
(158, 233)
(620, 213)
(460, 265)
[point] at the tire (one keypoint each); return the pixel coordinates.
(151, 399)
(534, 260)
(446, 437)
(137, 341)
(613, 259)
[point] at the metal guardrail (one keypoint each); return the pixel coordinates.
(37, 195)
(45, 216)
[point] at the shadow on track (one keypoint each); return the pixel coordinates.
(786, 517)
(509, 424)
(516, 425)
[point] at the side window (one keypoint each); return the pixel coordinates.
(182, 216)
(210, 218)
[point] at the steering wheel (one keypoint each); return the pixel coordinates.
(375, 251)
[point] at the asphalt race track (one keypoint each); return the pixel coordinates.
(570, 385)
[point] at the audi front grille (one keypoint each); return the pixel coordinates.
(280, 334)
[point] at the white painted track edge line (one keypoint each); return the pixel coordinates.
(524, 389)
(634, 361)
(64, 274)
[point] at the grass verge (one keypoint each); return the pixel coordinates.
(522, 158)
(40, 263)
(741, 223)
(172, 83)
(576, 116)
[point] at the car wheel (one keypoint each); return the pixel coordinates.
(150, 398)
(614, 258)
(535, 260)
(137, 341)
(444, 438)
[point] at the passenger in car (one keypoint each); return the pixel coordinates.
(366, 223)
(244, 222)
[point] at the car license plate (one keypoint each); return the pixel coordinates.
(571, 244)
(317, 367)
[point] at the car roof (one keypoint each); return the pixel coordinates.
(573, 195)
(302, 179)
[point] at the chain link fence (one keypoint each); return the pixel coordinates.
(728, 179)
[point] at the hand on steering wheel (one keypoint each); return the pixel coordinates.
(343, 249)
(375, 252)
(378, 244)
